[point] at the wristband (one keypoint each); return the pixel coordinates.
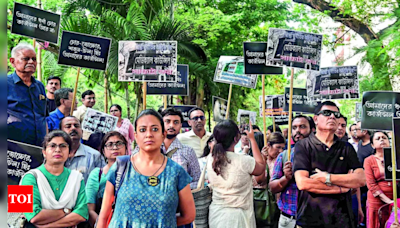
(340, 189)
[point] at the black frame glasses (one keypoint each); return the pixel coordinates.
(329, 113)
(196, 118)
(111, 145)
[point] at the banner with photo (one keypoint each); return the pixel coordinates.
(35, 23)
(294, 49)
(255, 59)
(378, 109)
(230, 70)
(219, 108)
(96, 121)
(273, 105)
(150, 61)
(333, 83)
(253, 115)
(180, 87)
(83, 50)
(21, 158)
(300, 101)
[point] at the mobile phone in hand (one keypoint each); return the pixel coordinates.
(245, 121)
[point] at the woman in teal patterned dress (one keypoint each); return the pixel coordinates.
(154, 186)
(112, 145)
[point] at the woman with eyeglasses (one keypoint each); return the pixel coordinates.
(59, 198)
(113, 145)
(124, 126)
(380, 192)
(153, 186)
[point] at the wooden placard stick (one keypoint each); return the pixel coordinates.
(290, 113)
(394, 182)
(75, 88)
(229, 102)
(263, 109)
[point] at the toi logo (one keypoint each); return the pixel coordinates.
(20, 198)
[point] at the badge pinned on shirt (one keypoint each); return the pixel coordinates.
(41, 97)
(341, 158)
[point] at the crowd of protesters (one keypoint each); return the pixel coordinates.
(330, 178)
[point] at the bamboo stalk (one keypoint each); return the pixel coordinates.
(290, 114)
(75, 88)
(229, 102)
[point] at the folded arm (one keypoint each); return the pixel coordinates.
(355, 179)
(46, 216)
(305, 183)
(69, 220)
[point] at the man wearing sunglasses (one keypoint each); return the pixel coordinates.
(26, 109)
(198, 136)
(325, 170)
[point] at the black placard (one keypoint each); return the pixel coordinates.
(35, 23)
(378, 109)
(180, 87)
(21, 158)
(387, 157)
(84, 50)
(273, 105)
(219, 108)
(255, 60)
(333, 83)
(300, 101)
(294, 49)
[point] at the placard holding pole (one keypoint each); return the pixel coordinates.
(229, 102)
(165, 101)
(263, 109)
(144, 94)
(290, 113)
(394, 180)
(75, 89)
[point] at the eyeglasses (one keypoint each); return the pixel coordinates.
(53, 146)
(111, 145)
(196, 118)
(27, 59)
(357, 129)
(329, 113)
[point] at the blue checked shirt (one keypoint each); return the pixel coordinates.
(288, 199)
(53, 120)
(185, 157)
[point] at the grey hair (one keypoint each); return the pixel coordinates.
(62, 93)
(20, 47)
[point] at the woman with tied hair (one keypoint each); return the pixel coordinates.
(112, 145)
(153, 187)
(230, 177)
(59, 198)
(380, 192)
(124, 126)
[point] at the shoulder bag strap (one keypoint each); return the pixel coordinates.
(172, 152)
(122, 163)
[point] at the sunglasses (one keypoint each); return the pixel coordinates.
(329, 113)
(196, 118)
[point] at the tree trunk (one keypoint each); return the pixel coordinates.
(200, 92)
(128, 107)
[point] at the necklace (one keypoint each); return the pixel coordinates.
(151, 180)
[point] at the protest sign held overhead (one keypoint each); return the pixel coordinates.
(294, 49)
(35, 23)
(150, 61)
(96, 121)
(180, 87)
(333, 83)
(255, 59)
(21, 158)
(378, 109)
(301, 103)
(358, 111)
(253, 115)
(273, 105)
(219, 108)
(84, 50)
(230, 70)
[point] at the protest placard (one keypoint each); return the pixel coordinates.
(387, 157)
(358, 111)
(230, 70)
(180, 87)
(333, 83)
(96, 121)
(219, 108)
(273, 105)
(396, 138)
(300, 102)
(253, 115)
(21, 158)
(255, 59)
(150, 61)
(35, 23)
(294, 49)
(83, 50)
(378, 109)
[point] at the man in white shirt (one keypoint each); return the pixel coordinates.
(198, 136)
(353, 140)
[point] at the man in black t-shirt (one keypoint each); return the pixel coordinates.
(325, 170)
(364, 144)
(53, 84)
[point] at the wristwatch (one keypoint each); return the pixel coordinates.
(66, 211)
(328, 179)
